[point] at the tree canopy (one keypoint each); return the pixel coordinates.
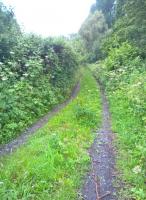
(9, 32)
(106, 6)
(92, 31)
(130, 25)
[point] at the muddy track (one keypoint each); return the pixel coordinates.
(13, 145)
(99, 181)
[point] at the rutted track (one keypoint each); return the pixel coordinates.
(13, 145)
(99, 182)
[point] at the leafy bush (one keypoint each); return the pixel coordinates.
(121, 56)
(39, 75)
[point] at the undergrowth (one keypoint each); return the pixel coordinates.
(52, 163)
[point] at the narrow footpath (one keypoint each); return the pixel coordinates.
(99, 181)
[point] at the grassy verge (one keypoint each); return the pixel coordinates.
(131, 147)
(126, 95)
(53, 162)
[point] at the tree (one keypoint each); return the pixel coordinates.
(9, 32)
(129, 26)
(92, 31)
(119, 6)
(106, 6)
(93, 8)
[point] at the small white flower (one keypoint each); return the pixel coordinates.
(4, 78)
(136, 169)
(10, 63)
(25, 74)
(26, 65)
(139, 83)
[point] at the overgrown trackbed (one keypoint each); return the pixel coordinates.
(13, 145)
(99, 182)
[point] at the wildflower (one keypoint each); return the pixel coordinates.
(137, 169)
(25, 74)
(26, 65)
(4, 78)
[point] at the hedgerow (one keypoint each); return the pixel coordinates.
(38, 75)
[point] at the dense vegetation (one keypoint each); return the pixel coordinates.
(9, 32)
(106, 6)
(92, 32)
(35, 74)
(122, 71)
(52, 163)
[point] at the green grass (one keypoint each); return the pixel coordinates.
(131, 137)
(53, 162)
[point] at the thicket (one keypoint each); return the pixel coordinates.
(35, 74)
(123, 72)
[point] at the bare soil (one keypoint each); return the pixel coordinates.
(13, 145)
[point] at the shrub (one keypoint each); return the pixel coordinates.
(39, 75)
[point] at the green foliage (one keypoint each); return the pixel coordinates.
(39, 74)
(123, 75)
(92, 32)
(120, 5)
(120, 56)
(130, 26)
(107, 8)
(85, 115)
(128, 123)
(22, 104)
(9, 32)
(77, 43)
(53, 162)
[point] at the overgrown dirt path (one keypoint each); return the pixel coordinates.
(13, 145)
(99, 181)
